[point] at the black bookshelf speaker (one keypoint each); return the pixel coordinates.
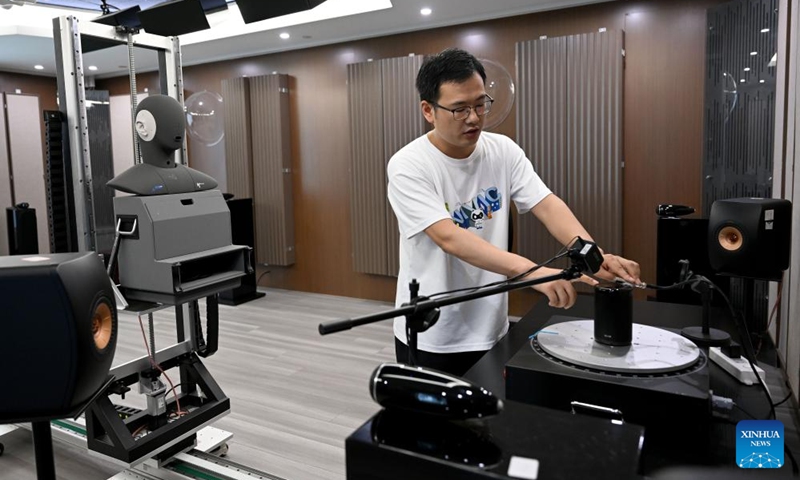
(750, 237)
(23, 234)
(58, 333)
(257, 10)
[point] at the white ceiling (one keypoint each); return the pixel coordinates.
(25, 43)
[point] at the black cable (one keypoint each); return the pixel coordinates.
(501, 282)
(562, 253)
(262, 276)
(748, 345)
(783, 401)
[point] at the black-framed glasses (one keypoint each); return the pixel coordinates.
(463, 113)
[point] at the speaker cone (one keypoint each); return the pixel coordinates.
(102, 325)
(730, 238)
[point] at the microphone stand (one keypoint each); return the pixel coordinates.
(421, 312)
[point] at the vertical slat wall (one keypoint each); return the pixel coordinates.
(569, 122)
(272, 161)
(27, 159)
(368, 168)
(238, 149)
(594, 134)
(384, 116)
(541, 130)
(5, 181)
(402, 123)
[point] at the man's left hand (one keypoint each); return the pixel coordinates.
(615, 267)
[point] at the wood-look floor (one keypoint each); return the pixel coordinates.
(295, 395)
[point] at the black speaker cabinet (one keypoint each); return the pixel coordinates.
(58, 333)
(242, 233)
(23, 235)
(257, 10)
(750, 237)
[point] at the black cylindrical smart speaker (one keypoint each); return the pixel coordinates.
(613, 314)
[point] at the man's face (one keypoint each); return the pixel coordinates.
(456, 138)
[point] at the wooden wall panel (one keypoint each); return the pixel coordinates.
(663, 111)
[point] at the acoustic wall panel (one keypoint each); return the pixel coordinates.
(384, 116)
(238, 148)
(27, 160)
(272, 168)
(368, 204)
(541, 131)
(402, 123)
(569, 123)
(594, 134)
(6, 198)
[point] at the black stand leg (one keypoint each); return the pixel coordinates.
(43, 449)
(704, 335)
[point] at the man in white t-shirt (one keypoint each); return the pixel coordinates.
(451, 191)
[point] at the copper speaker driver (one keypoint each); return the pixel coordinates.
(102, 325)
(730, 238)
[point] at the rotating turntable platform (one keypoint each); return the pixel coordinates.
(652, 350)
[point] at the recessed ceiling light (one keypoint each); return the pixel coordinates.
(92, 68)
(742, 80)
(38, 67)
(284, 35)
(746, 69)
(761, 81)
(753, 53)
(426, 11)
(764, 30)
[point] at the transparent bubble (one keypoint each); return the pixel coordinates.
(500, 86)
(204, 120)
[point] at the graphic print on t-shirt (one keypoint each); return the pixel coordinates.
(479, 210)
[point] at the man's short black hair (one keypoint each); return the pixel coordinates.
(451, 65)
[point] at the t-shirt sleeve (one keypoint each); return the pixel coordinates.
(414, 199)
(527, 189)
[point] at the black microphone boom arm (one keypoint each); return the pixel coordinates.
(585, 256)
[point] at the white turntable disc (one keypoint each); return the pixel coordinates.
(652, 350)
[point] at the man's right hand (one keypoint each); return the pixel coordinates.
(559, 293)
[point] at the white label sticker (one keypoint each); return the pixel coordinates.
(769, 215)
(35, 259)
(521, 467)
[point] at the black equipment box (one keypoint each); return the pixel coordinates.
(398, 446)
(533, 376)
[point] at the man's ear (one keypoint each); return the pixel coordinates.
(427, 111)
